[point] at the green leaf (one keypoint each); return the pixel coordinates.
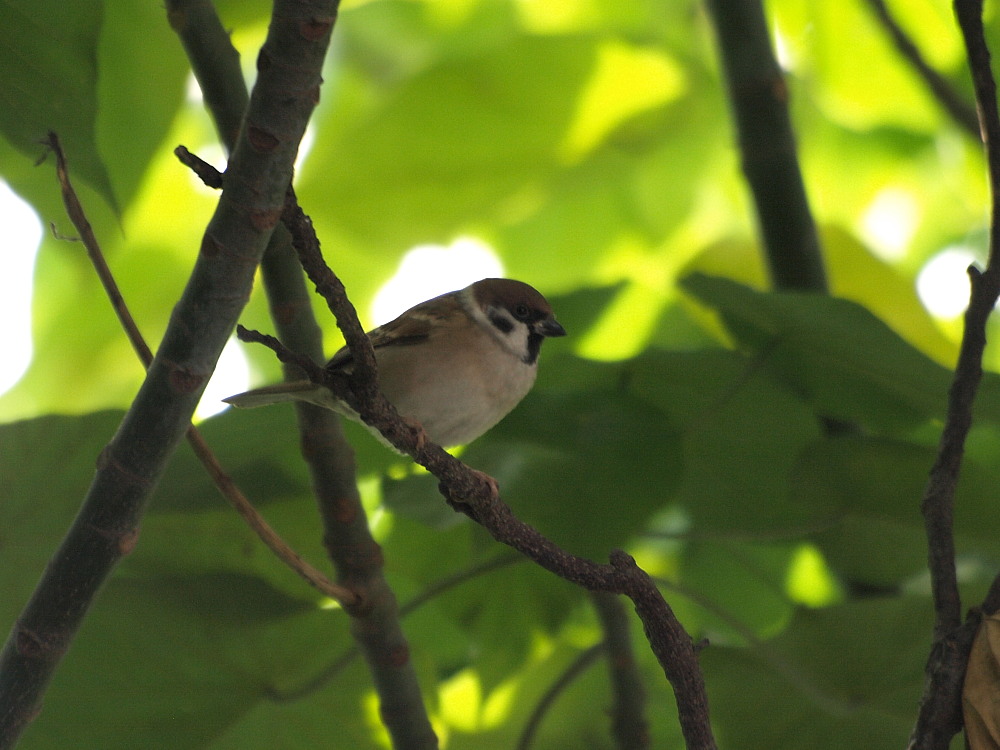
(138, 54)
(846, 676)
(742, 434)
(450, 144)
(587, 468)
(176, 662)
(39, 504)
(740, 588)
(846, 362)
(876, 486)
(48, 55)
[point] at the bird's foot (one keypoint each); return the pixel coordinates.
(471, 500)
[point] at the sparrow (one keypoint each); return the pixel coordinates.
(457, 364)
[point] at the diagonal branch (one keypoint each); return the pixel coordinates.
(347, 537)
(476, 495)
(107, 526)
(960, 110)
(222, 480)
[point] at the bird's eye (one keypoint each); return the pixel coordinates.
(521, 312)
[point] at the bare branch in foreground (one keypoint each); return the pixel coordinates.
(107, 525)
(222, 480)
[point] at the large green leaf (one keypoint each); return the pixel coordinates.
(847, 676)
(836, 354)
(48, 52)
(177, 662)
(742, 435)
(876, 486)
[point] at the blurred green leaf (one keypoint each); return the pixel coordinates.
(742, 434)
(740, 588)
(48, 53)
(841, 358)
(603, 451)
(877, 485)
(847, 676)
(587, 143)
(179, 662)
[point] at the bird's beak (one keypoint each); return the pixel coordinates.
(550, 327)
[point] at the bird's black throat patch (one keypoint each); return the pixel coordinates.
(534, 346)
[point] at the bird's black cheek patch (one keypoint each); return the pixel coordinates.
(501, 322)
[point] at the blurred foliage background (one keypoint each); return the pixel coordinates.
(584, 146)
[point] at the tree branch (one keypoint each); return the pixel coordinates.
(476, 495)
(107, 526)
(940, 710)
(354, 553)
(960, 110)
(628, 720)
(759, 101)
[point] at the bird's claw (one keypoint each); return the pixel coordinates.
(468, 504)
(420, 434)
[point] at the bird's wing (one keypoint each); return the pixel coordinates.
(412, 327)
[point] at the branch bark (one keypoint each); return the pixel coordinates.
(107, 526)
(759, 101)
(940, 716)
(356, 556)
(476, 495)
(960, 110)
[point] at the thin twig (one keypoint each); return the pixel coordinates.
(938, 499)
(208, 174)
(222, 480)
(940, 709)
(557, 688)
(960, 110)
(79, 219)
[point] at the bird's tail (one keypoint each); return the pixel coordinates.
(297, 390)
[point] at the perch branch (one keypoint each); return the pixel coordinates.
(357, 557)
(476, 495)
